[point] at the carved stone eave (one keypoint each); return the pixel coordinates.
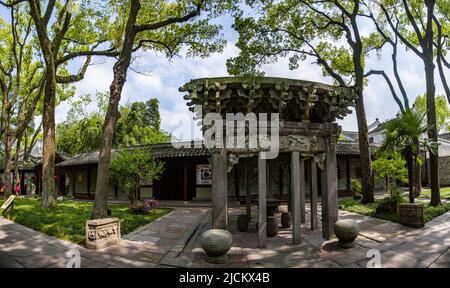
(292, 99)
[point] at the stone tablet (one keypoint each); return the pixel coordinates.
(101, 233)
(8, 203)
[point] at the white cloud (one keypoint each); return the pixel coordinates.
(165, 77)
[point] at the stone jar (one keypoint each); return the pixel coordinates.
(346, 231)
(216, 243)
(242, 223)
(272, 226)
(286, 220)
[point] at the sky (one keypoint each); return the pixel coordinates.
(164, 77)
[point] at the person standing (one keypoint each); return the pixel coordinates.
(17, 188)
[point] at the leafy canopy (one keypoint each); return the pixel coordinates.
(130, 167)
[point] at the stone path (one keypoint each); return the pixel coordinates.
(149, 246)
(173, 241)
(399, 246)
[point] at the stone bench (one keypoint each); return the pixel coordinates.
(101, 233)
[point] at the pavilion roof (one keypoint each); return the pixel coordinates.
(294, 100)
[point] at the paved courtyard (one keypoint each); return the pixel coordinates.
(173, 241)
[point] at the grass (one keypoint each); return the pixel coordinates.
(445, 193)
(356, 206)
(68, 219)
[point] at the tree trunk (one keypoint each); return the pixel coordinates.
(428, 59)
(115, 90)
(48, 153)
(363, 134)
(432, 133)
(16, 165)
(7, 167)
(418, 180)
(411, 174)
(364, 150)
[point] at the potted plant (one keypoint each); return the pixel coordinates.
(356, 187)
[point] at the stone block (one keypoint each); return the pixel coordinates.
(101, 233)
(411, 215)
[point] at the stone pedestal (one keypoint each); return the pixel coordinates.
(411, 215)
(216, 243)
(101, 233)
(346, 231)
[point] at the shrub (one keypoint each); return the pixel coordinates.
(144, 206)
(355, 186)
(389, 204)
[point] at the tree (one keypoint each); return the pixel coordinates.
(391, 166)
(442, 111)
(442, 42)
(412, 22)
(82, 131)
(161, 26)
(326, 31)
(139, 124)
(403, 133)
(21, 87)
(63, 34)
(129, 167)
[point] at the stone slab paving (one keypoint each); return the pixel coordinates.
(144, 248)
(399, 246)
(173, 241)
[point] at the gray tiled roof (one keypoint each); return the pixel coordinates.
(166, 151)
(162, 151)
(350, 148)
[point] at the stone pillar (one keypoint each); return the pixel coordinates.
(262, 204)
(313, 193)
(302, 192)
(248, 195)
(219, 193)
(295, 197)
(329, 191)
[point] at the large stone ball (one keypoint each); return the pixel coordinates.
(216, 243)
(346, 231)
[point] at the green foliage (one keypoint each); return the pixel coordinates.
(389, 204)
(355, 186)
(442, 110)
(129, 167)
(445, 193)
(138, 124)
(430, 212)
(405, 131)
(318, 30)
(392, 166)
(68, 220)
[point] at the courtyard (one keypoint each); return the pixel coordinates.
(173, 241)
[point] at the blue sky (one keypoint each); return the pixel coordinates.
(167, 76)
